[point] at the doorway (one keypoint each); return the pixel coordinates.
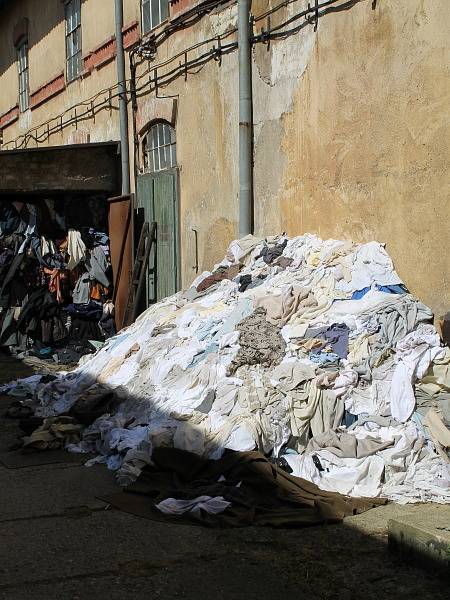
(157, 201)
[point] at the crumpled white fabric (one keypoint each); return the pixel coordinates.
(415, 352)
(371, 264)
(212, 505)
(76, 248)
(359, 477)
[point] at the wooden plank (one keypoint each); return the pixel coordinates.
(76, 168)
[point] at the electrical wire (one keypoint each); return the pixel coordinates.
(149, 47)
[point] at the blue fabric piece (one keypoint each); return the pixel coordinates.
(202, 355)
(349, 418)
(101, 238)
(335, 337)
(206, 329)
(90, 312)
(324, 358)
(388, 289)
(243, 308)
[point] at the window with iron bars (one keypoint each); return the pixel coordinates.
(159, 148)
(73, 39)
(24, 88)
(154, 12)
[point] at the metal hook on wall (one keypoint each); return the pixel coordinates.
(195, 267)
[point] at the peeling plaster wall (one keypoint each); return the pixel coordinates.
(360, 148)
(351, 138)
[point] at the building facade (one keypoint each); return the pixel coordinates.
(350, 127)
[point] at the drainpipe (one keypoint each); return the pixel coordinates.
(245, 120)
(123, 112)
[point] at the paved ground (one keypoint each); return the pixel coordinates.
(58, 541)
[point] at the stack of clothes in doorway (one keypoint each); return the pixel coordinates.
(55, 278)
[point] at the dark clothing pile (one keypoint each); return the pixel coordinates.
(55, 277)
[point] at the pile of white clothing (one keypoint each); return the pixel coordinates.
(311, 351)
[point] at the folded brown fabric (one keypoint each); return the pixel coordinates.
(260, 492)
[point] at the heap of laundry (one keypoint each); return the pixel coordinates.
(311, 352)
(55, 278)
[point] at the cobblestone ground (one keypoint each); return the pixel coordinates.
(59, 541)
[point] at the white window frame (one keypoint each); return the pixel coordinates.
(159, 148)
(23, 71)
(73, 39)
(153, 13)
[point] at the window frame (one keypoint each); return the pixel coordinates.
(151, 18)
(74, 58)
(23, 69)
(159, 147)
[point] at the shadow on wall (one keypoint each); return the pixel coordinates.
(42, 16)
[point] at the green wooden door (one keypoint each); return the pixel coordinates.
(157, 196)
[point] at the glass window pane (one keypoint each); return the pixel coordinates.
(146, 21)
(151, 166)
(77, 39)
(162, 158)
(160, 134)
(77, 61)
(155, 19)
(69, 16)
(164, 139)
(146, 24)
(159, 144)
(154, 136)
(164, 10)
(77, 12)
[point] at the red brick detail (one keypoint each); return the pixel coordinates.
(48, 90)
(106, 51)
(9, 117)
(130, 34)
(100, 55)
(178, 7)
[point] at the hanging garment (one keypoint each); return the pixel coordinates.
(76, 248)
(97, 266)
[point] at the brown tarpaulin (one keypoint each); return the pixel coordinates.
(266, 495)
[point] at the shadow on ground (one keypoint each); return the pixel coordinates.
(58, 541)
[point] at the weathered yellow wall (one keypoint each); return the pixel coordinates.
(351, 130)
(364, 146)
(47, 59)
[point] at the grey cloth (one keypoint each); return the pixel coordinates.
(292, 374)
(97, 265)
(345, 445)
(439, 401)
(10, 335)
(260, 342)
(191, 294)
(397, 320)
(335, 336)
(381, 421)
(82, 290)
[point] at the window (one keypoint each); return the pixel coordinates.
(24, 88)
(154, 12)
(159, 148)
(73, 39)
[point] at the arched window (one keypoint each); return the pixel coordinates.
(159, 148)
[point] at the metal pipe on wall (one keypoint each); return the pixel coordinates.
(245, 120)
(123, 112)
